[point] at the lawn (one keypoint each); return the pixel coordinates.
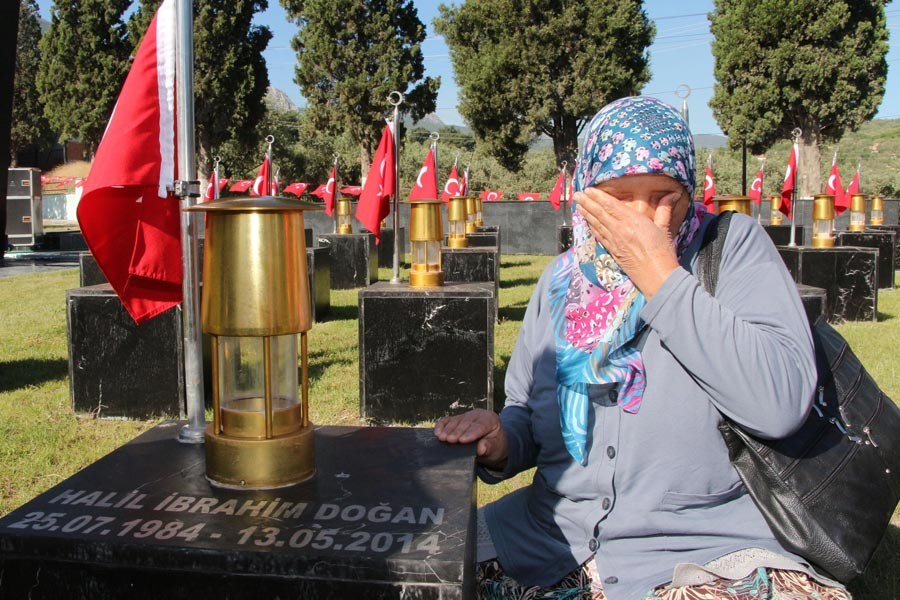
(43, 442)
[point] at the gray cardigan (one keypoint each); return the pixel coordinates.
(657, 489)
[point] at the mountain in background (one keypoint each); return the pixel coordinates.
(710, 141)
(275, 99)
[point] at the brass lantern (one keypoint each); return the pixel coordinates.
(426, 231)
(823, 221)
(877, 216)
(255, 302)
(344, 210)
(857, 212)
(728, 202)
(471, 214)
(479, 212)
(775, 214)
(457, 216)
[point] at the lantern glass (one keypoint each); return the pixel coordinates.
(857, 221)
(426, 256)
(823, 228)
(457, 228)
(877, 214)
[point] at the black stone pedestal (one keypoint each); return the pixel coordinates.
(896, 230)
(563, 238)
(117, 368)
(884, 241)
(354, 259)
(318, 263)
(90, 273)
(482, 239)
(473, 264)
(847, 274)
(813, 300)
(425, 352)
(781, 234)
(386, 247)
(495, 229)
(390, 513)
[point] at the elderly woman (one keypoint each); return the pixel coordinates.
(622, 371)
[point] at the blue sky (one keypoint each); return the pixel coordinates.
(680, 56)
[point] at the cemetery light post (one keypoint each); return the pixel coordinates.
(775, 212)
(425, 235)
(479, 212)
(823, 221)
(740, 204)
(857, 212)
(457, 217)
(344, 211)
(471, 214)
(877, 216)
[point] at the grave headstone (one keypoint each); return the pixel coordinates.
(884, 241)
(354, 259)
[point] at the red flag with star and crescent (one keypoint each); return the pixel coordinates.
(329, 193)
(556, 193)
(426, 183)
(790, 179)
(756, 188)
(374, 200)
(452, 187)
(835, 187)
(709, 185)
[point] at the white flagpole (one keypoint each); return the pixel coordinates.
(395, 129)
(796, 133)
(216, 178)
(334, 196)
(189, 189)
(434, 147)
(270, 139)
(565, 191)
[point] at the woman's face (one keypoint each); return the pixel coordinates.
(644, 192)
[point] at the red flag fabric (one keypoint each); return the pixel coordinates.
(329, 193)
(491, 195)
(853, 188)
(209, 195)
(787, 188)
(835, 187)
(556, 194)
(276, 187)
(351, 190)
(426, 182)
(756, 189)
(241, 186)
(130, 221)
(453, 187)
(528, 196)
(464, 184)
(262, 183)
(374, 201)
(709, 187)
(296, 189)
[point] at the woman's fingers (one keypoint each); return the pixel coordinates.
(464, 428)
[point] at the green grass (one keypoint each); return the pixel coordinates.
(43, 442)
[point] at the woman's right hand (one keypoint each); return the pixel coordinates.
(478, 425)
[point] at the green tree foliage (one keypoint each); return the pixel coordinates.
(530, 67)
(29, 125)
(230, 75)
(781, 64)
(351, 54)
(84, 59)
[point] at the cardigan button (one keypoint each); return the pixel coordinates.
(592, 545)
(611, 580)
(610, 452)
(606, 503)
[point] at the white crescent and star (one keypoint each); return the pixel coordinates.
(419, 178)
(709, 183)
(492, 196)
(447, 188)
(756, 186)
(329, 187)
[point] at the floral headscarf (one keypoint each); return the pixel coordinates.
(594, 305)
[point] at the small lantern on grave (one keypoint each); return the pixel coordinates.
(479, 212)
(471, 214)
(457, 216)
(823, 221)
(775, 212)
(344, 210)
(255, 302)
(877, 216)
(425, 235)
(732, 202)
(857, 212)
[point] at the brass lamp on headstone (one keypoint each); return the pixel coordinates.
(479, 212)
(877, 215)
(823, 221)
(255, 302)
(457, 217)
(471, 214)
(857, 212)
(775, 212)
(344, 210)
(426, 231)
(728, 202)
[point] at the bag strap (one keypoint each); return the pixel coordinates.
(710, 256)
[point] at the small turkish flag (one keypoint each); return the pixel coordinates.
(453, 187)
(241, 186)
(210, 193)
(835, 187)
(374, 205)
(709, 187)
(296, 189)
(528, 196)
(556, 194)
(329, 193)
(426, 182)
(787, 188)
(491, 195)
(261, 185)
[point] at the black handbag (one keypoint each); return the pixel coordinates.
(829, 490)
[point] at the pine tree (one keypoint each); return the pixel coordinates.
(535, 67)
(29, 125)
(785, 64)
(84, 59)
(351, 54)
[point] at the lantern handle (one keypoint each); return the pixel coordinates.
(565, 164)
(796, 132)
(216, 161)
(391, 100)
(270, 139)
(434, 135)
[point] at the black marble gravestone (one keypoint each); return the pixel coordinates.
(90, 273)
(813, 300)
(354, 259)
(563, 238)
(117, 368)
(481, 239)
(847, 274)
(896, 230)
(781, 234)
(390, 513)
(473, 264)
(425, 352)
(884, 241)
(318, 264)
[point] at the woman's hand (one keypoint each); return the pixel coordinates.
(641, 246)
(478, 425)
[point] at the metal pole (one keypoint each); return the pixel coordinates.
(565, 192)
(193, 432)
(796, 133)
(395, 274)
(334, 196)
(271, 190)
(216, 178)
(743, 167)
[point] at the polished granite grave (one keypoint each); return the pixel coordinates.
(813, 300)
(482, 239)
(354, 259)
(781, 234)
(390, 513)
(884, 241)
(896, 230)
(318, 264)
(495, 230)
(425, 352)
(847, 274)
(117, 368)
(563, 238)
(473, 264)
(89, 271)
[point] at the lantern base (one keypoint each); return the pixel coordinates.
(822, 242)
(429, 279)
(345, 229)
(249, 464)
(471, 227)
(856, 228)
(457, 242)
